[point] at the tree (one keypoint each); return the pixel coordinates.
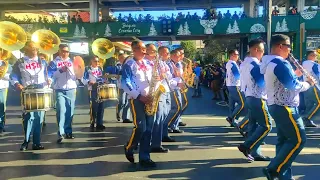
(76, 31)
(180, 31)
(278, 27)
(186, 29)
(153, 31)
(190, 49)
(235, 27)
(107, 32)
(229, 30)
(215, 49)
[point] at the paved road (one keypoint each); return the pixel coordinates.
(207, 150)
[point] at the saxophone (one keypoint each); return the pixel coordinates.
(152, 107)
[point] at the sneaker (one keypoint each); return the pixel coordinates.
(37, 147)
(24, 146)
(168, 139)
(147, 163)
(69, 136)
(100, 127)
(159, 150)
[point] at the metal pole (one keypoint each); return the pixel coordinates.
(267, 15)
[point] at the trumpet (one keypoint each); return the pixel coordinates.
(295, 62)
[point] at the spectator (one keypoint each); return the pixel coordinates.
(235, 16)
(73, 19)
(188, 16)
(243, 15)
(227, 15)
(79, 20)
(293, 10)
(219, 15)
(197, 89)
(216, 81)
(275, 11)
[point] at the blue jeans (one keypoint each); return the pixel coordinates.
(3, 104)
(65, 103)
(291, 138)
(96, 109)
(32, 122)
(142, 130)
(259, 123)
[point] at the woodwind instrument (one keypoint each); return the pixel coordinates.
(295, 62)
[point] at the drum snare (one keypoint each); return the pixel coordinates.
(107, 92)
(37, 99)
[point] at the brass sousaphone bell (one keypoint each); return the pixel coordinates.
(12, 38)
(103, 48)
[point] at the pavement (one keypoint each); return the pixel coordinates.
(207, 150)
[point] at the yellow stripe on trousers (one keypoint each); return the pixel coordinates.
(318, 106)
(186, 100)
(298, 137)
(91, 116)
(134, 115)
(242, 102)
(178, 105)
(267, 124)
(246, 122)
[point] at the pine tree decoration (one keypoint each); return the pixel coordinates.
(153, 31)
(180, 30)
(76, 32)
(107, 32)
(229, 30)
(186, 29)
(235, 27)
(83, 32)
(284, 26)
(278, 27)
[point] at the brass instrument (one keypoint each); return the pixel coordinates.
(46, 41)
(12, 38)
(103, 48)
(295, 62)
(188, 75)
(185, 87)
(151, 108)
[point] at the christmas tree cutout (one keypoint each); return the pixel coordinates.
(83, 32)
(283, 27)
(77, 32)
(107, 32)
(278, 27)
(229, 30)
(97, 34)
(153, 31)
(234, 29)
(186, 29)
(180, 31)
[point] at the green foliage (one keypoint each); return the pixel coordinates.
(216, 49)
(190, 49)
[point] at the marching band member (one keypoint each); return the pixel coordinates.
(185, 99)
(255, 93)
(233, 85)
(136, 77)
(169, 83)
(30, 70)
(4, 85)
(176, 96)
(311, 96)
(123, 103)
(283, 90)
(64, 83)
(159, 116)
(94, 75)
(45, 58)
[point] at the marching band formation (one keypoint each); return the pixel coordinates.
(151, 88)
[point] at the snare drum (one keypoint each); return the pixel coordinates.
(107, 92)
(37, 99)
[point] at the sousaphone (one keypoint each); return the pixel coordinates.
(12, 38)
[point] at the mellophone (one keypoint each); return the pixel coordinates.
(37, 99)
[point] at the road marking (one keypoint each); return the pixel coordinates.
(305, 150)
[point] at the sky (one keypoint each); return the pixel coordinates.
(200, 12)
